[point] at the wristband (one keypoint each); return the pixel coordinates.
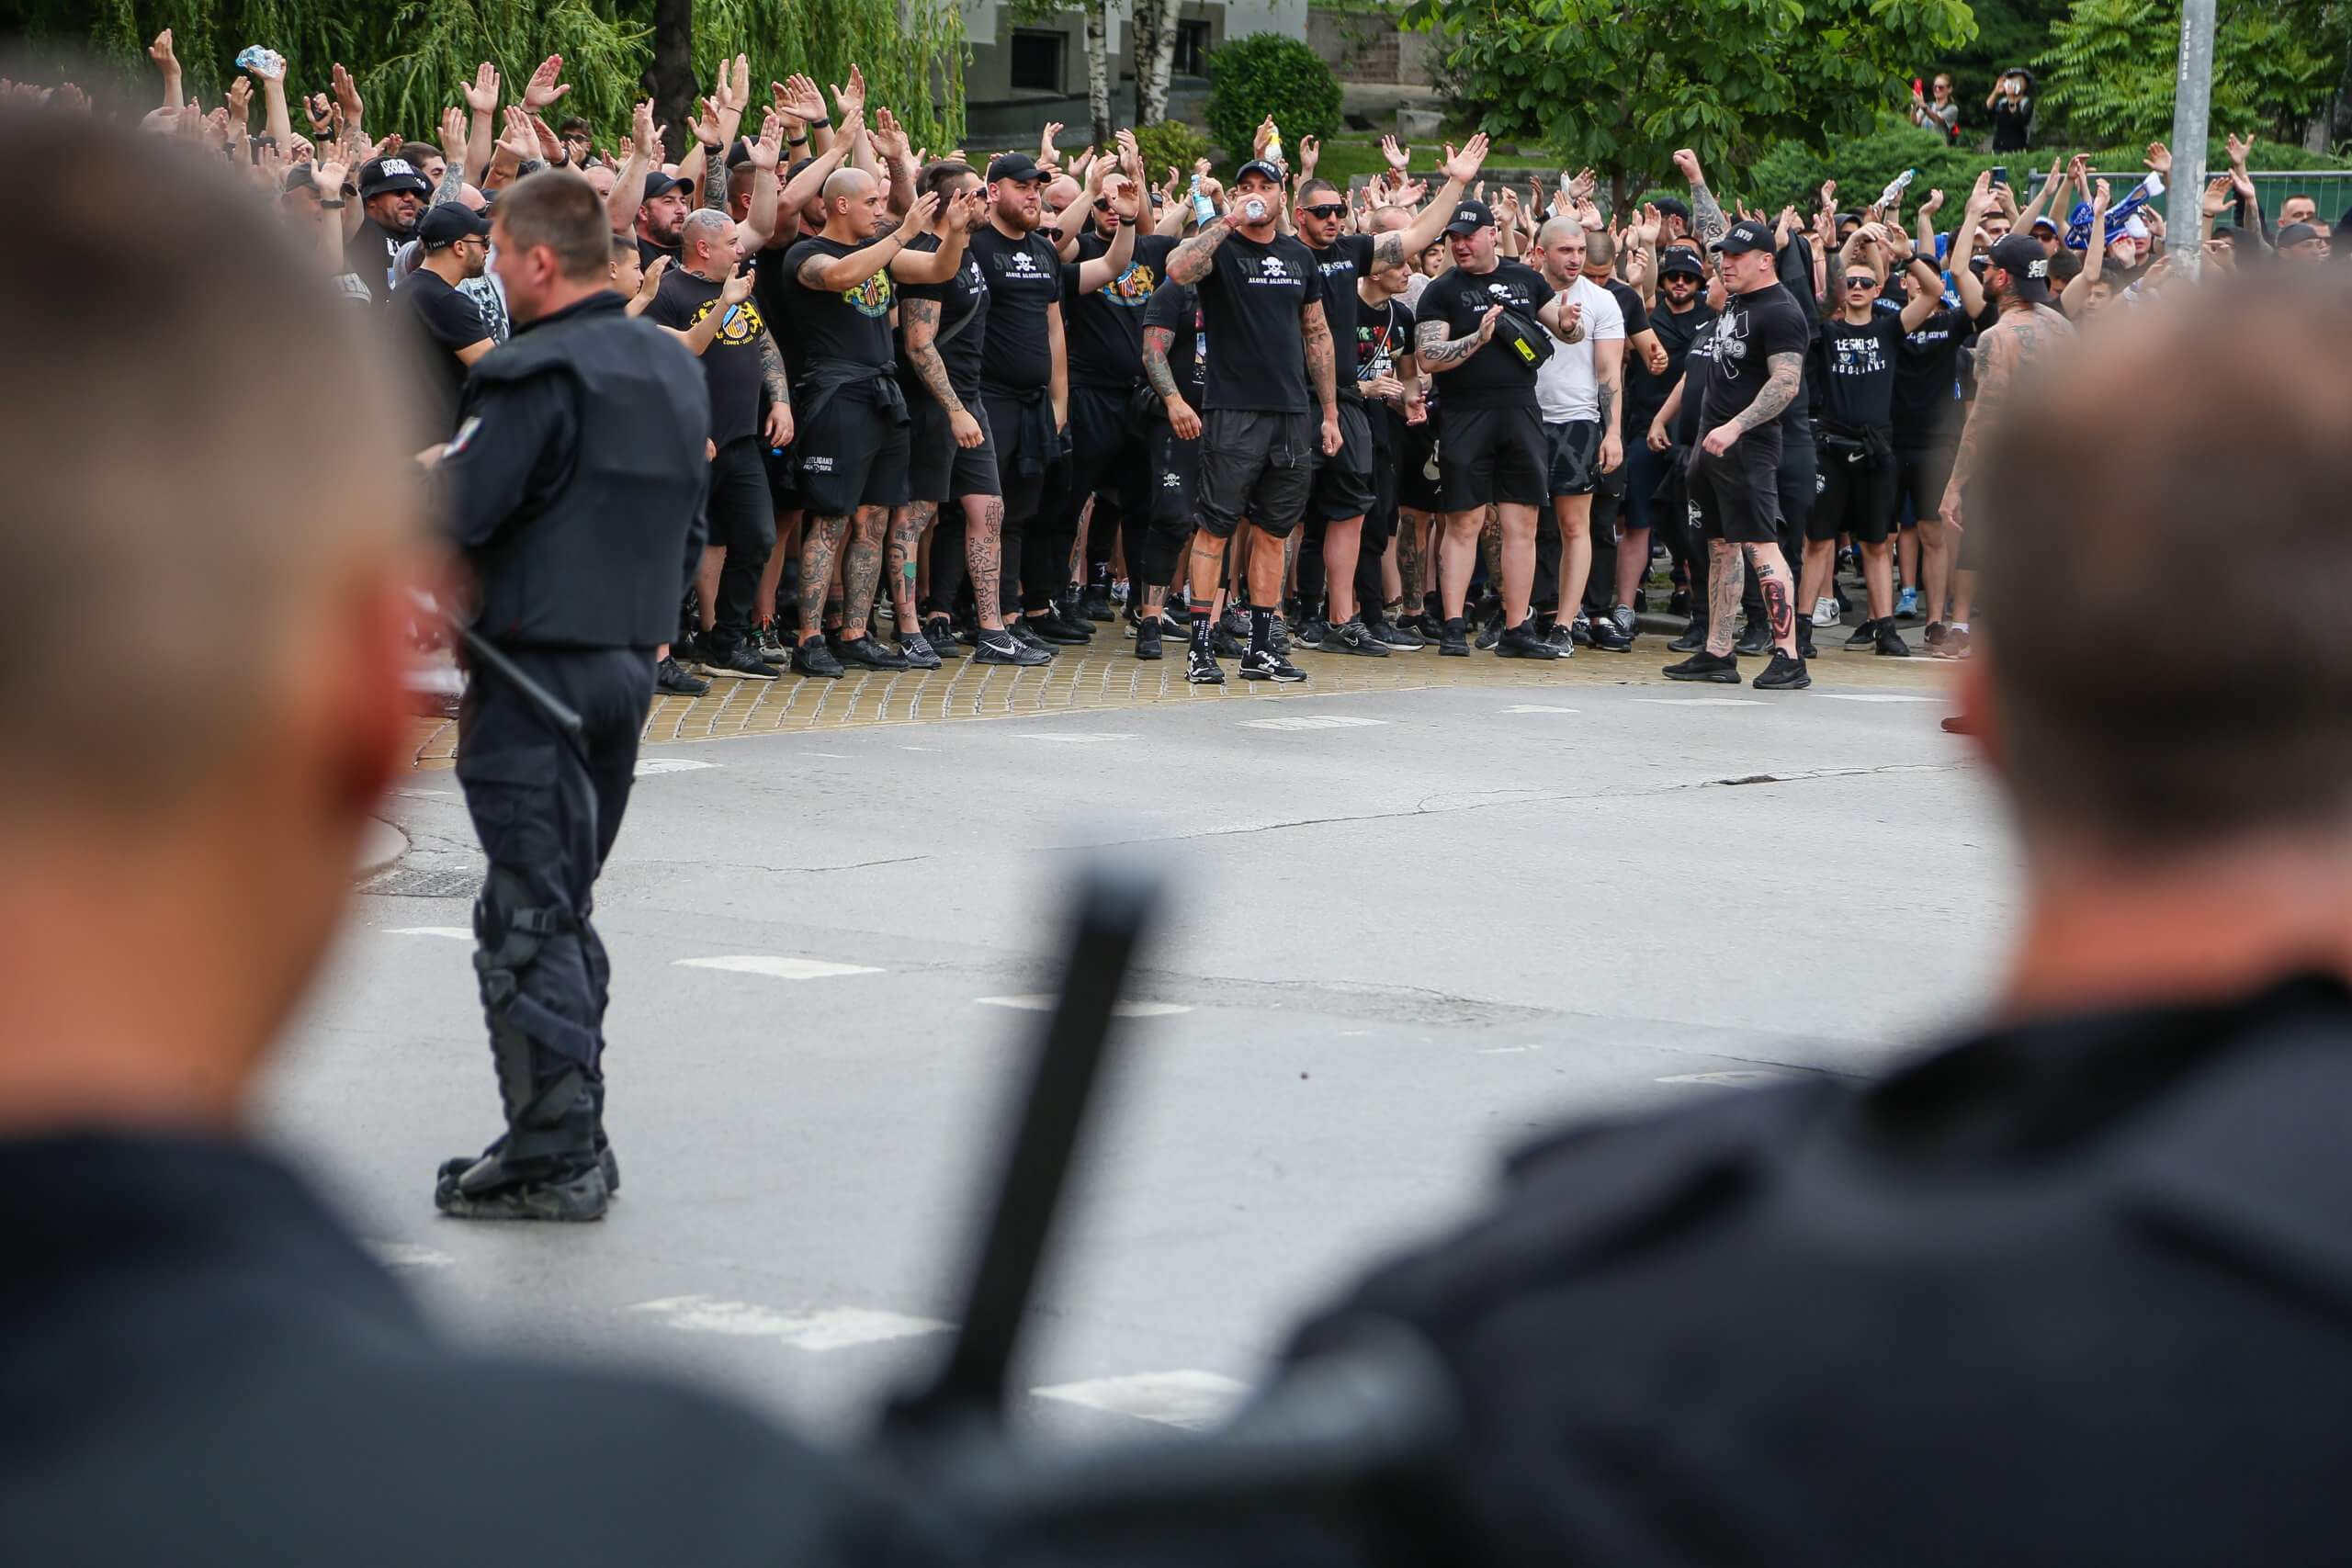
(821, 122)
(795, 141)
(331, 206)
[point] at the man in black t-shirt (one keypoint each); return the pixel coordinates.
(1345, 487)
(1757, 374)
(954, 476)
(741, 364)
(1479, 326)
(1175, 366)
(392, 195)
(1390, 378)
(1621, 551)
(1927, 433)
(1680, 311)
(1262, 307)
(1856, 352)
(445, 328)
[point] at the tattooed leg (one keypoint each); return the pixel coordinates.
(1412, 539)
(984, 554)
(1727, 580)
(1780, 595)
(820, 548)
(862, 570)
(907, 525)
(1490, 548)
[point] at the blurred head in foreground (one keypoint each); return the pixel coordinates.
(197, 447)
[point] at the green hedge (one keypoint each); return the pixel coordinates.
(1268, 74)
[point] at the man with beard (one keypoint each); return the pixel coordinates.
(1025, 381)
(391, 199)
(1343, 486)
(445, 325)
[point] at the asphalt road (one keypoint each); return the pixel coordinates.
(1412, 928)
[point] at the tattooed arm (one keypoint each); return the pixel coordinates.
(921, 321)
(1783, 375)
(1609, 380)
(1996, 361)
(779, 390)
(1191, 261)
(1707, 220)
(1322, 371)
(1182, 416)
(1437, 352)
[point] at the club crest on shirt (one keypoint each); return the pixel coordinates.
(1132, 287)
(871, 298)
(743, 323)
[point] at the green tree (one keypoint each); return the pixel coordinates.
(2110, 64)
(1619, 84)
(1269, 73)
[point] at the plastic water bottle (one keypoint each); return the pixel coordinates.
(1894, 189)
(1204, 210)
(1274, 145)
(269, 61)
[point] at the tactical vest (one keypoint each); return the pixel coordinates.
(598, 560)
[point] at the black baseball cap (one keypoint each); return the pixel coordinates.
(2295, 235)
(740, 153)
(1265, 166)
(1749, 235)
(1469, 217)
(1673, 206)
(1680, 263)
(1018, 167)
(659, 184)
(2021, 258)
(445, 224)
(381, 177)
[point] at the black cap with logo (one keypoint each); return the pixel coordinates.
(1469, 217)
(1743, 236)
(2022, 256)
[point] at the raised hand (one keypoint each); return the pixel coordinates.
(1581, 186)
(1486, 332)
(481, 93)
(797, 99)
(1398, 158)
(550, 144)
(767, 148)
(889, 138)
(2159, 158)
(1980, 197)
(520, 139)
(1829, 196)
(705, 124)
(651, 283)
(920, 215)
(160, 51)
(543, 88)
(734, 88)
(241, 96)
(850, 100)
(347, 96)
(1262, 136)
(2238, 150)
(1310, 150)
(642, 136)
(453, 134)
(319, 113)
(1464, 164)
(736, 289)
(1685, 164)
(2217, 195)
(2098, 199)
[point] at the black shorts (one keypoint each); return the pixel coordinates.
(1571, 453)
(1737, 494)
(941, 471)
(1856, 497)
(1107, 455)
(1608, 502)
(1255, 465)
(1921, 475)
(1011, 429)
(1175, 473)
(1492, 458)
(783, 476)
(1798, 483)
(852, 453)
(1342, 486)
(1418, 467)
(1388, 433)
(739, 512)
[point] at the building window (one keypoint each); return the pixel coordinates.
(1191, 48)
(1037, 60)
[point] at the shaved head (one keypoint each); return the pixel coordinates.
(1555, 229)
(851, 184)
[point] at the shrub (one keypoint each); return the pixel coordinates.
(1268, 73)
(1170, 144)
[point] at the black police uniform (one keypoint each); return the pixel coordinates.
(2076, 1290)
(199, 1366)
(577, 485)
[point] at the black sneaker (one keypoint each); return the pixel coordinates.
(1490, 634)
(483, 1192)
(1804, 641)
(1223, 644)
(1357, 638)
(673, 682)
(1095, 603)
(1431, 627)
(1265, 664)
(1202, 669)
(1147, 637)
(1866, 634)
(1720, 668)
(1694, 638)
(1521, 642)
(1678, 601)
(940, 633)
(813, 658)
(1398, 637)
(1003, 648)
(1608, 636)
(1891, 643)
(916, 649)
(1783, 674)
(1236, 622)
(688, 650)
(1454, 640)
(739, 661)
(1050, 628)
(1581, 629)
(1020, 631)
(1070, 620)
(1561, 639)
(1313, 630)
(870, 652)
(1935, 633)
(1755, 638)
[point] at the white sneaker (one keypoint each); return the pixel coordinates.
(1824, 613)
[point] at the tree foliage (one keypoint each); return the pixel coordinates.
(1269, 73)
(2274, 63)
(1619, 84)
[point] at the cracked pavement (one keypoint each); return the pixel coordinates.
(1407, 937)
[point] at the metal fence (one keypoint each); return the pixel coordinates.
(2330, 188)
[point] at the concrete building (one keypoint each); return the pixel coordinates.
(1023, 74)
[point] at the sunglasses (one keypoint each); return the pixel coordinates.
(1861, 282)
(1325, 209)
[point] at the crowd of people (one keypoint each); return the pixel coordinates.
(990, 407)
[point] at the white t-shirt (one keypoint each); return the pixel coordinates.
(1565, 387)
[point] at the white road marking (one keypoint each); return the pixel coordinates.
(1189, 1399)
(653, 767)
(409, 1255)
(1311, 721)
(1876, 697)
(421, 793)
(917, 748)
(776, 967)
(1121, 1010)
(1537, 707)
(1730, 1079)
(1506, 1050)
(1702, 701)
(1075, 735)
(827, 1328)
(836, 756)
(455, 933)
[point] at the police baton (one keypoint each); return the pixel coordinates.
(560, 716)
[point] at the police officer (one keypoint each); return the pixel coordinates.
(575, 484)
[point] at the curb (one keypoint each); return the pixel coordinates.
(382, 845)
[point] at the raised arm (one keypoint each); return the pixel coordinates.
(1099, 271)
(946, 222)
(1460, 167)
(628, 188)
(2078, 286)
(1707, 220)
(832, 275)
